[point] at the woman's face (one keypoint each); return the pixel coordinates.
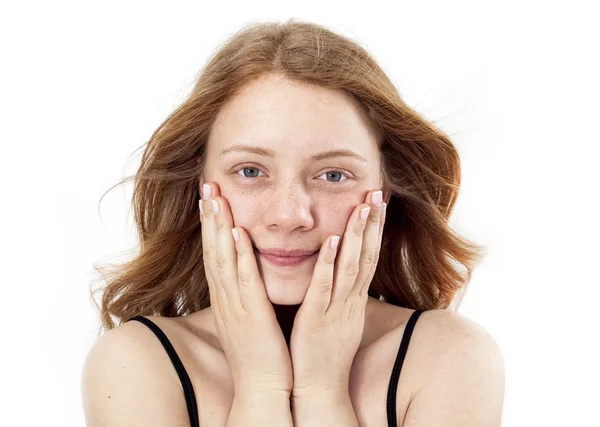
(291, 195)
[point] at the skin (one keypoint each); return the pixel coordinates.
(291, 201)
(452, 375)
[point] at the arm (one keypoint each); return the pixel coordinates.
(252, 408)
(123, 382)
(466, 385)
(324, 409)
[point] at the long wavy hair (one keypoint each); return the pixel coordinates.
(423, 263)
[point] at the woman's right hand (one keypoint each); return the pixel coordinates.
(249, 332)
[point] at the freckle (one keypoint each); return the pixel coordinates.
(109, 397)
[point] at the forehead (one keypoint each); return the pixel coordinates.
(285, 116)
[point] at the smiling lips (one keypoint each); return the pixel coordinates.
(283, 258)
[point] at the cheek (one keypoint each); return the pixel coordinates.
(336, 212)
(245, 210)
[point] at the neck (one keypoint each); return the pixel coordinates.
(285, 317)
(286, 314)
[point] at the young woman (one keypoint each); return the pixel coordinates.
(293, 216)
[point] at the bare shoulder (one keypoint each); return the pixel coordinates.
(448, 327)
(125, 380)
(462, 367)
(452, 337)
(446, 340)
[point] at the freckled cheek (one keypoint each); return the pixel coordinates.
(336, 218)
(245, 210)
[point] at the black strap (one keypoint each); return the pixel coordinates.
(393, 388)
(188, 390)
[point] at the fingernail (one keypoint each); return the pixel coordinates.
(236, 236)
(364, 213)
(201, 208)
(334, 242)
(215, 206)
(383, 210)
(376, 198)
(206, 191)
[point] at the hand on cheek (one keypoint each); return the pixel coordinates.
(329, 324)
(246, 323)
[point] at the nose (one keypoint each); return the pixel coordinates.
(288, 209)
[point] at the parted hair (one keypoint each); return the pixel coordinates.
(423, 263)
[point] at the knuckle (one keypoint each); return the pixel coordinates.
(244, 277)
(325, 285)
(221, 264)
(352, 269)
(371, 257)
(208, 252)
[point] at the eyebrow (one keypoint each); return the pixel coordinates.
(270, 153)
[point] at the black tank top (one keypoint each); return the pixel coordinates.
(188, 390)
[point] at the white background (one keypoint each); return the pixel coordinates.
(83, 84)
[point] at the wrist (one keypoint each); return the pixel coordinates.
(260, 407)
(307, 387)
(254, 385)
(323, 408)
(319, 394)
(254, 393)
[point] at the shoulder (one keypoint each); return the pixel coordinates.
(463, 383)
(450, 325)
(448, 340)
(126, 380)
(453, 334)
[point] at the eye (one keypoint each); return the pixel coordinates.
(336, 175)
(252, 172)
(250, 168)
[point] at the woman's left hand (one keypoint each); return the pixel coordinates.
(329, 324)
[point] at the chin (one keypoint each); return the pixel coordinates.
(286, 290)
(286, 286)
(286, 293)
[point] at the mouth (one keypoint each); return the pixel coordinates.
(285, 261)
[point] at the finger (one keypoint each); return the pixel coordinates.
(209, 280)
(318, 295)
(369, 255)
(348, 263)
(253, 294)
(367, 284)
(209, 243)
(214, 296)
(208, 191)
(225, 255)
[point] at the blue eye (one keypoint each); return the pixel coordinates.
(335, 174)
(253, 173)
(251, 168)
